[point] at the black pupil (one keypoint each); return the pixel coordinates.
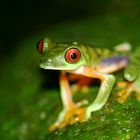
(73, 55)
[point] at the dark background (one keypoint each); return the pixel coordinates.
(22, 18)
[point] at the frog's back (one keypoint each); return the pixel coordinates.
(95, 56)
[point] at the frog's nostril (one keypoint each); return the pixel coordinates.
(40, 46)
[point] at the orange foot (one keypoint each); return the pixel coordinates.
(127, 89)
(69, 117)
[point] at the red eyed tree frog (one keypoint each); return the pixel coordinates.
(90, 62)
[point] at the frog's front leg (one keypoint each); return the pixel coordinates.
(71, 112)
(107, 82)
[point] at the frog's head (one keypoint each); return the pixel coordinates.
(60, 56)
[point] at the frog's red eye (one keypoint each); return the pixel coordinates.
(40, 46)
(72, 55)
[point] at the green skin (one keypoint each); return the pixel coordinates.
(53, 57)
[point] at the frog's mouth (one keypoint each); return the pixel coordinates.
(53, 67)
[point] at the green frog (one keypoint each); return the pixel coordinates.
(93, 62)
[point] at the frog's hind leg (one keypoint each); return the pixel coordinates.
(128, 88)
(132, 76)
